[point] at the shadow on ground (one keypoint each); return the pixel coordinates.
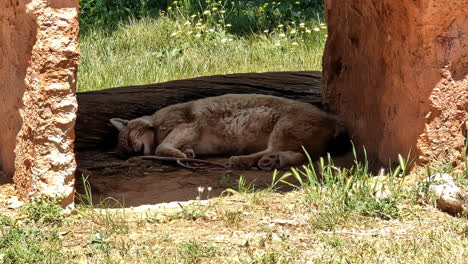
(137, 182)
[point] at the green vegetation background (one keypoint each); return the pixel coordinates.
(129, 42)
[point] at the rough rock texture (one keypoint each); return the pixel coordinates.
(449, 197)
(45, 162)
(397, 73)
(17, 36)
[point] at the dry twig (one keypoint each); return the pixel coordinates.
(181, 161)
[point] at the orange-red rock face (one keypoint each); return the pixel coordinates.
(397, 74)
(40, 52)
(17, 36)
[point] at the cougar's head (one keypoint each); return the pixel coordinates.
(136, 137)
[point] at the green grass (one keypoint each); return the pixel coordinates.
(46, 211)
(248, 15)
(194, 252)
(191, 40)
(189, 213)
(339, 194)
(30, 245)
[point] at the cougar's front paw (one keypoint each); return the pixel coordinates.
(240, 163)
(189, 153)
(270, 162)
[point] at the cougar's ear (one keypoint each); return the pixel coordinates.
(119, 123)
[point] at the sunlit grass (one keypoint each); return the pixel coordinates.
(177, 45)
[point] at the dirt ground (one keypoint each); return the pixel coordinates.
(136, 182)
(254, 228)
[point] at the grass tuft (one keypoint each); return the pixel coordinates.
(44, 210)
(29, 245)
(339, 193)
(194, 252)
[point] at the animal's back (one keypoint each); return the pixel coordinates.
(237, 123)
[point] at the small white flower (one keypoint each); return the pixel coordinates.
(173, 34)
(280, 25)
(201, 189)
(266, 30)
(228, 25)
(295, 43)
(222, 11)
(223, 40)
(308, 31)
(211, 30)
(282, 35)
(316, 29)
(207, 12)
(302, 25)
(198, 35)
(293, 31)
(209, 188)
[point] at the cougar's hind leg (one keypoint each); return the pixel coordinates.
(275, 144)
(285, 143)
(284, 146)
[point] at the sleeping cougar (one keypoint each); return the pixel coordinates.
(258, 130)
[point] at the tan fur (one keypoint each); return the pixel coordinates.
(260, 130)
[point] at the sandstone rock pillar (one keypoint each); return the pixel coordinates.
(17, 36)
(397, 74)
(45, 162)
